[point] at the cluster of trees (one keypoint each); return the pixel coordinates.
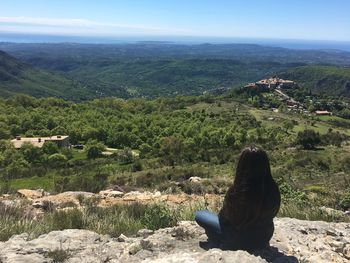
(309, 139)
(163, 127)
(169, 129)
(17, 162)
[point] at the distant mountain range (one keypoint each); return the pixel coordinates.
(284, 43)
(152, 69)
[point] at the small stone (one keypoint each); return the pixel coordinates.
(146, 244)
(43, 205)
(337, 246)
(346, 251)
(195, 179)
(122, 238)
(134, 248)
(144, 233)
(331, 233)
(111, 193)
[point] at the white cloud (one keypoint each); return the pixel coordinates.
(77, 26)
(46, 21)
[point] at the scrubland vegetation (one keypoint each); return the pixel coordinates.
(159, 145)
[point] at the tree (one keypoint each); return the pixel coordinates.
(4, 132)
(16, 168)
(50, 148)
(57, 160)
(94, 152)
(31, 153)
(308, 139)
(125, 156)
(171, 149)
(94, 149)
(145, 149)
(333, 138)
(288, 125)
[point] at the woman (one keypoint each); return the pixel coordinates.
(246, 219)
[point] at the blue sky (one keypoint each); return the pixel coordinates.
(283, 19)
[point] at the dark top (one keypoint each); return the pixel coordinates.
(256, 236)
(246, 220)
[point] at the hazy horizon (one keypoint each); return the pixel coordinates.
(284, 43)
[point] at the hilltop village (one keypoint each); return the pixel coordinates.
(279, 87)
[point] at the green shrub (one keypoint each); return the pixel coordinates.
(58, 255)
(307, 212)
(345, 201)
(136, 166)
(308, 139)
(57, 160)
(319, 189)
(71, 219)
(193, 188)
(289, 194)
(159, 216)
(81, 182)
(5, 187)
(94, 149)
(94, 152)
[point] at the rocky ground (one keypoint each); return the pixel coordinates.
(37, 202)
(293, 241)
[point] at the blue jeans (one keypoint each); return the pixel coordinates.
(210, 222)
(221, 232)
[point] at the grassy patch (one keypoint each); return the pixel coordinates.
(306, 212)
(58, 255)
(115, 220)
(45, 182)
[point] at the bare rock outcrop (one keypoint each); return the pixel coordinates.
(31, 194)
(294, 241)
(62, 200)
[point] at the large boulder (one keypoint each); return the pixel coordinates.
(62, 200)
(136, 196)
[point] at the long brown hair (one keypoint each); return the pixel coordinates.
(254, 196)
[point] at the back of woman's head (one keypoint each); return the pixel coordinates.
(253, 169)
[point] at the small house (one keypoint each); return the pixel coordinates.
(61, 141)
(323, 113)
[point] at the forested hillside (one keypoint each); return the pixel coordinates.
(328, 80)
(19, 77)
(156, 69)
